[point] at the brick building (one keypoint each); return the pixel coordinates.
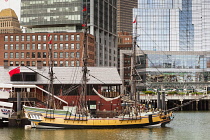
(31, 49)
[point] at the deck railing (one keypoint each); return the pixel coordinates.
(27, 95)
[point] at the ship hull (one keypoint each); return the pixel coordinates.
(68, 126)
(60, 121)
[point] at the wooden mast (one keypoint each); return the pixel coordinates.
(133, 70)
(51, 75)
(84, 67)
(51, 99)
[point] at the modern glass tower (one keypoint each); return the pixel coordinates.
(174, 36)
(68, 16)
(165, 25)
(201, 22)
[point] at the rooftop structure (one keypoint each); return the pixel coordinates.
(9, 22)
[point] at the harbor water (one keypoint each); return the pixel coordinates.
(185, 126)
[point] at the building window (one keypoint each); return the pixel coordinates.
(17, 46)
(22, 38)
(61, 46)
(55, 63)
(67, 37)
(17, 38)
(39, 55)
(77, 63)
(39, 38)
(22, 63)
(16, 63)
(33, 37)
(72, 46)
(5, 55)
(16, 55)
(66, 46)
(61, 63)
(66, 55)
(28, 38)
(5, 46)
(33, 46)
(28, 63)
(27, 46)
(55, 46)
(27, 54)
(72, 54)
(44, 63)
(33, 63)
(44, 37)
(77, 46)
(22, 55)
(11, 38)
(11, 55)
(55, 55)
(72, 63)
(55, 38)
(44, 47)
(11, 63)
(39, 47)
(22, 47)
(33, 55)
(5, 38)
(77, 54)
(44, 55)
(61, 54)
(72, 37)
(11, 47)
(61, 37)
(66, 63)
(78, 37)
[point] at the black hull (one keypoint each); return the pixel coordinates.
(62, 126)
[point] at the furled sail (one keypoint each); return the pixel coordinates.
(106, 99)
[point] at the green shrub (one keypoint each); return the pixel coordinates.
(149, 92)
(181, 93)
(172, 92)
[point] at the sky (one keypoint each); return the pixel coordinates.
(13, 4)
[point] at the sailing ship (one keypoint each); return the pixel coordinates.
(75, 117)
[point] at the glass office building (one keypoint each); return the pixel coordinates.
(68, 16)
(164, 25)
(171, 69)
(174, 36)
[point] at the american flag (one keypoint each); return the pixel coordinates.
(5, 111)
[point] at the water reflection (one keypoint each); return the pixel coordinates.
(186, 125)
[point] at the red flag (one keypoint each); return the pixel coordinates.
(14, 71)
(84, 9)
(134, 21)
(83, 25)
(50, 39)
(50, 42)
